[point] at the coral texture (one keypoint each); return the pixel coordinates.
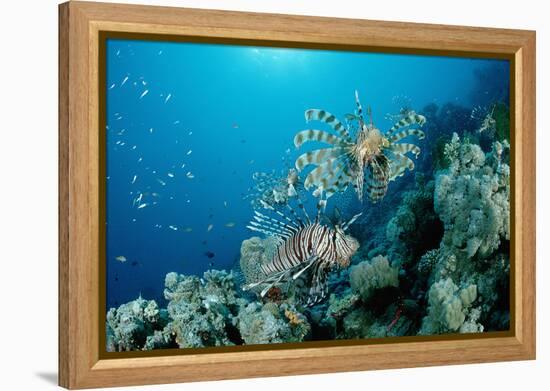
(129, 325)
(367, 276)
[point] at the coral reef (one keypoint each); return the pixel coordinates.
(271, 323)
(367, 276)
(256, 252)
(415, 228)
(472, 199)
(201, 310)
(434, 259)
(448, 308)
(129, 325)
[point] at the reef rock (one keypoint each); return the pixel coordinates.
(201, 310)
(271, 323)
(256, 252)
(129, 325)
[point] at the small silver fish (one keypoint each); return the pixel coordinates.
(121, 258)
(210, 226)
(143, 94)
(167, 98)
(124, 81)
(230, 224)
(173, 227)
(141, 206)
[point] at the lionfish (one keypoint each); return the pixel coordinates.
(485, 118)
(381, 155)
(306, 250)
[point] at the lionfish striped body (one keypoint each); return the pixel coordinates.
(380, 157)
(306, 249)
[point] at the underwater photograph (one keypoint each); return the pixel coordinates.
(267, 195)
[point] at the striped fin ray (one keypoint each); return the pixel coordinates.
(330, 119)
(403, 148)
(317, 157)
(400, 163)
(290, 221)
(316, 135)
(327, 174)
(276, 226)
(317, 291)
(404, 133)
(302, 208)
(411, 119)
(321, 172)
(266, 231)
(378, 175)
(341, 182)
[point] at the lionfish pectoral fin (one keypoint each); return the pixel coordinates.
(272, 284)
(271, 280)
(309, 262)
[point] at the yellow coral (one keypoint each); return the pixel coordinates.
(293, 318)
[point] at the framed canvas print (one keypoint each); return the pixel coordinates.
(298, 194)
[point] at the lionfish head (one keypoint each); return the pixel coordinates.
(370, 143)
(346, 246)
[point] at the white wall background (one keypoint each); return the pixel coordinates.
(28, 196)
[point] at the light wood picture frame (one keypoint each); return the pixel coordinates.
(82, 361)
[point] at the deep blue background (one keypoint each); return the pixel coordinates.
(237, 109)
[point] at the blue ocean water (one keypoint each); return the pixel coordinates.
(189, 124)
